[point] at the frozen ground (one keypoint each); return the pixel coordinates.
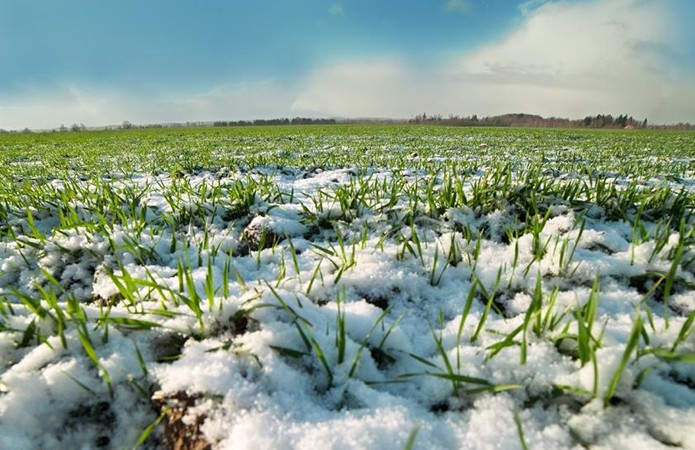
(306, 311)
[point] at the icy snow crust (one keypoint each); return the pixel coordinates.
(350, 307)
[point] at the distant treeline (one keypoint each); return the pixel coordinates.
(265, 122)
(535, 121)
(235, 123)
(506, 120)
(127, 125)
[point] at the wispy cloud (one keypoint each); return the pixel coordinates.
(98, 106)
(599, 38)
(361, 88)
(459, 6)
(564, 59)
(337, 10)
(529, 6)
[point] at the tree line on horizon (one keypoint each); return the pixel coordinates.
(535, 121)
(622, 121)
(265, 122)
(506, 120)
(532, 120)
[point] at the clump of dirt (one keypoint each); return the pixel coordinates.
(167, 347)
(98, 415)
(102, 302)
(258, 236)
(181, 427)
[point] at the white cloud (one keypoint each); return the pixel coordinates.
(461, 6)
(529, 6)
(365, 88)
(583, 58)
(65, 105)
(607, 38)
(565, 59)
(247, 100)
(97, 107)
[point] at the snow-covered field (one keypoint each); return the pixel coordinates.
(347, 288)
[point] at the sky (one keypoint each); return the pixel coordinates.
(155, 61)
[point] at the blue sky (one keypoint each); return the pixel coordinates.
(98, 63)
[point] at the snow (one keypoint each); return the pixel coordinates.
(261, 382)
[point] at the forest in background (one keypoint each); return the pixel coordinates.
(622, 121)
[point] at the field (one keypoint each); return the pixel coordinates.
(347, 287)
